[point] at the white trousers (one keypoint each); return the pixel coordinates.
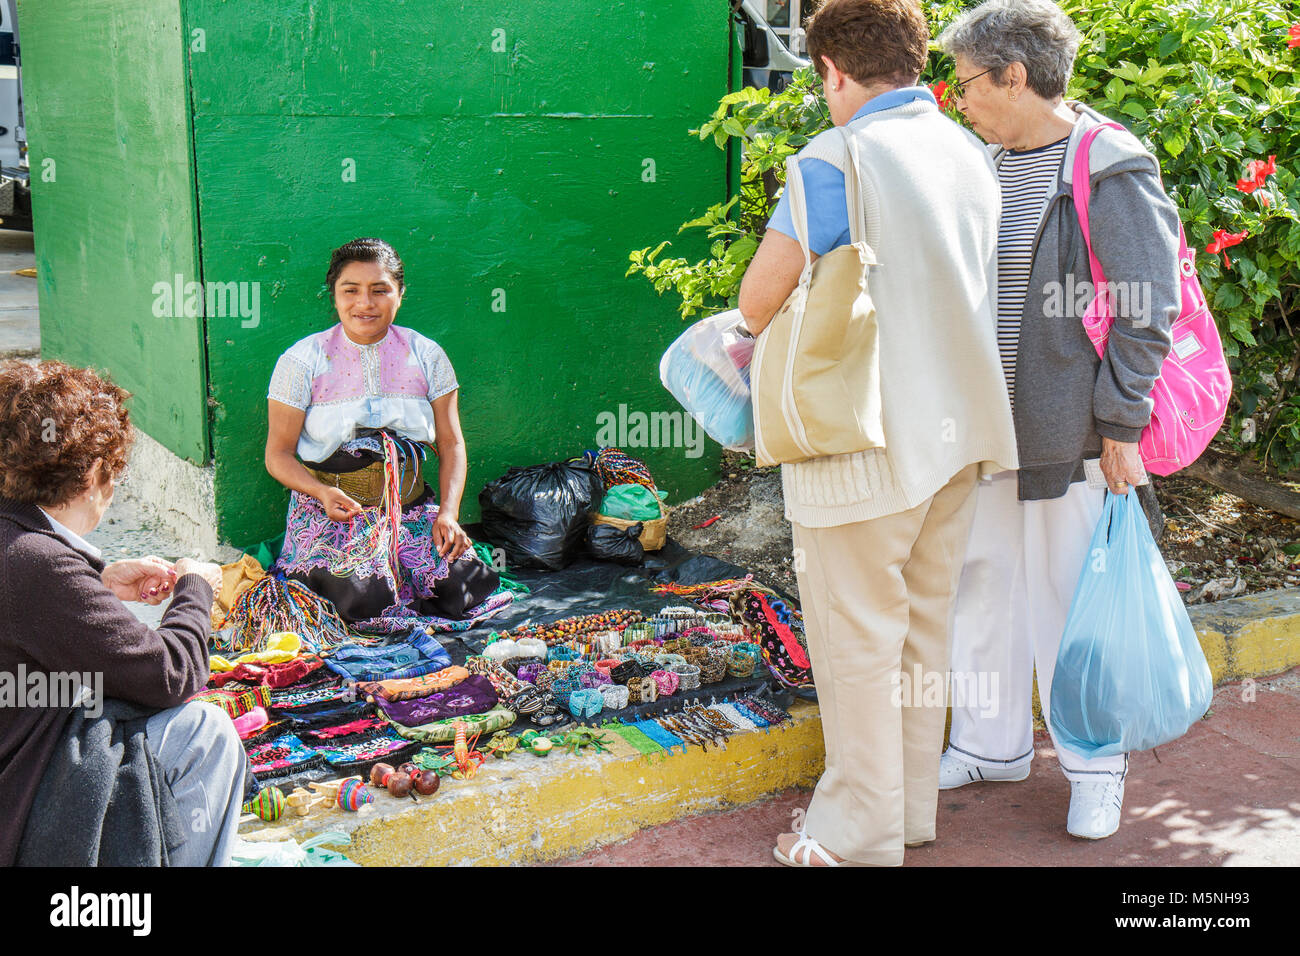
(1023, 562)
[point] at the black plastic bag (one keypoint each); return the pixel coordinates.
(620, 545)
(539, 515)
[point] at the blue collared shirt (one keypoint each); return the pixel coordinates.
(823, 184)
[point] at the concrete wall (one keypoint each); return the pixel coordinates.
(512, 153)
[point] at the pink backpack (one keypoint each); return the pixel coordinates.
(1191, 394)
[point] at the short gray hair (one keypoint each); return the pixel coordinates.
(1036, 33)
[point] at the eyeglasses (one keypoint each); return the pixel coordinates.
(959, 86)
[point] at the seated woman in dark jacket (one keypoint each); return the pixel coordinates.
(71, 653)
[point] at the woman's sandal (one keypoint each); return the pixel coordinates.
(809, 846)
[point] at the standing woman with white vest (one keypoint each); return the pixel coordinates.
(1074, 413)
(879, 534)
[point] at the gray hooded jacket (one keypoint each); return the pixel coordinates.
(1067, 398)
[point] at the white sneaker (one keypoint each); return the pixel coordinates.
(955, 772)
(1095, 806)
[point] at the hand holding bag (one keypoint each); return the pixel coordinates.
(815, 373)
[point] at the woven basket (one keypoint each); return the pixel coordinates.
(653, 533)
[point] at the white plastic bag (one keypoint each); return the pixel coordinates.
(707, 371)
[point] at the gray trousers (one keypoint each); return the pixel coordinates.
(202, 760)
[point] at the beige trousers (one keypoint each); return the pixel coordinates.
(877, 600)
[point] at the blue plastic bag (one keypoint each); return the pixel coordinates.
(1130, 673)
(707, 371)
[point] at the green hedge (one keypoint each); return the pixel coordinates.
(1210, 87)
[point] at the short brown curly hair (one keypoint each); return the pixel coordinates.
(55, 421)
(870, 40)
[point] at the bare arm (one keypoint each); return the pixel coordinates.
(772, 275)
(453, 465)
(284, 425)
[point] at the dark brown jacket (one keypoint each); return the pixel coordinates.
(56, 615)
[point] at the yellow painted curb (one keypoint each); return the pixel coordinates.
(1251, 636)
(530, 809)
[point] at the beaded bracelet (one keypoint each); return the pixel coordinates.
(713, 670)
(635, 633)
(501, 649)
(624, 672)
(593, 678)
(587, 702)
(676, 645)
(606, 665)
(607, 641)
(561, 653)
(663, 660)
(529, 672)
(666, 681)
(737, 719)
(696, 656)
(616, 697)
(688, 675)
(642, 690)
(527, 701)
(744, 658)
(531, 647)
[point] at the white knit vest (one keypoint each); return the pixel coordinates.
(932, 207)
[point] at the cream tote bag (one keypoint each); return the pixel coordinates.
(815, 375)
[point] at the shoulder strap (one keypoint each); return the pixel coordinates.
(848, 164)
(1080, 182)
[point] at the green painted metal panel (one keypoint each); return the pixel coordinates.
(112, 197)
(511, 160)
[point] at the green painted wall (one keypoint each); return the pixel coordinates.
(518, 168)
(504, 149)
(112, 197)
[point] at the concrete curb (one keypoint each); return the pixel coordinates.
(1251, 636)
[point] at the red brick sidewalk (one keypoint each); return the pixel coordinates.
(1226, 794)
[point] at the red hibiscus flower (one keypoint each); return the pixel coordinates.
(1257, 171)
(1222, 240)
(1293, 37)
(940, 90)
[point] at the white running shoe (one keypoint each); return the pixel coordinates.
(1095, 806)
(955, 772)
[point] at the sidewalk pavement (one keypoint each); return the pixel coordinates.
(1226, 794)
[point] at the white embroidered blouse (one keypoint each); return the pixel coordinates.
(344, 387)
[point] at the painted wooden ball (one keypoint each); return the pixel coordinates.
(268, 804)
(426, 782)
(399, 784)
(409, 769)
(379, 773)
(353, 795)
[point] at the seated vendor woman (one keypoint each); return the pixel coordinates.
(102, 760)
(354, 409)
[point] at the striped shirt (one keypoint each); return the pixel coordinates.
(1027, 179)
